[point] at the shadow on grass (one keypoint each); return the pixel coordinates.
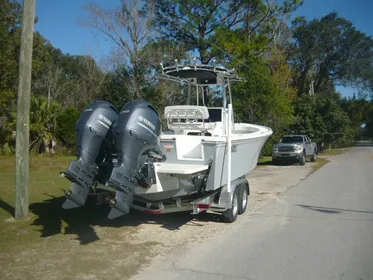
(80, 221)
(265, 162)
(7, 207)
(282, 163)
(287, 163)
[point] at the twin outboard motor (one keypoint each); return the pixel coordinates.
(136, 130)
(102, 135)
(95, 141)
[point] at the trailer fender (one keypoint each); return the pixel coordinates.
(248, 187)
(225, 198)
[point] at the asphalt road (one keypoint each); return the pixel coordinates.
(321, 228)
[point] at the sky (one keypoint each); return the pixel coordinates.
(58, 21)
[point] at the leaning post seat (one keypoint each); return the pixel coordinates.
(188, 117)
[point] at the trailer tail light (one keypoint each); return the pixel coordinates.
(203, 206)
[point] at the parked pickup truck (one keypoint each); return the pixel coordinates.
(294, 147)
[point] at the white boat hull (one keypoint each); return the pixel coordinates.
(188, 156)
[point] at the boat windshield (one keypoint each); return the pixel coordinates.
(291, 139)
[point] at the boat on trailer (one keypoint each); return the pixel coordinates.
(200, 164)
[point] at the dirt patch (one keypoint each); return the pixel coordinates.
(270, 181)
(114, 256)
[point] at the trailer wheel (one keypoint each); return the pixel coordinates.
(230, 215)
(243, 199)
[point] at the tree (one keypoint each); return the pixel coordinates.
(359, 110)
(90, 79)
(330, 51)
(42, 59)
(72, 80)
(308, 118)
(322, 119)
(115, 88)
(196, 22)
(52, 82)
(129, 28)
(10, 22)
(259, 100)
(338, 126)
(42, 124)
(65, 123)
(368, 130)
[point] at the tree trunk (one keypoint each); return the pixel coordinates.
(53, 145)
(49, 98)
(46, 143)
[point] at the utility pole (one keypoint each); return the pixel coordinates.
(23, 110)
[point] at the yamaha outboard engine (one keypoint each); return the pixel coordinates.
(95, 143)
(136, 133)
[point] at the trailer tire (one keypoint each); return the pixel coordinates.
(243, 199)
(230, 215)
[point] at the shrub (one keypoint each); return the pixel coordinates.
(7, 150)
(65, 123)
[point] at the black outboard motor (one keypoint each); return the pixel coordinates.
(136, 133)
(95, 142)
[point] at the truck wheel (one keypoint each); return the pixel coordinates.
(313, 157)
(275, 161)
(302, 160)
(243, 199)
(230, 215)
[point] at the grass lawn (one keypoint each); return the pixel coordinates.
(265, 160)
(333, 152)
(45, 184)
(47, 245)
(320, 162)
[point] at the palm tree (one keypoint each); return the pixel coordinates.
(42, 123)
